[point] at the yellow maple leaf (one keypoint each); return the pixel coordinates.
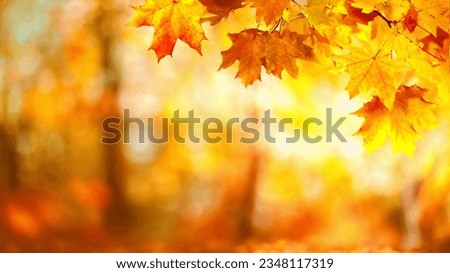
(269, 10)
(320, 13)
(433, 15)
(434, 78)
(249, 48)
(376, 65)
(409, 117)
(172, 20)
(371, 73)
(283, 49)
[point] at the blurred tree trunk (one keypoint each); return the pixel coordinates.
(9, 160)
(9, 163)
(408, 171)
(411, 207)
(246, 206)
(245, 209)
(118, 217)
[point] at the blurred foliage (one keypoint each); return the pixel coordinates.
(71, 64)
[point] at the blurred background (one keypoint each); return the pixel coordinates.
(66, 65)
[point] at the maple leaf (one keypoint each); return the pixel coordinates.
(221, 8)
(410, 21)
(410, 116)
(319, 13)
(375, 67)
(370, 73)
(435, 78)
(171, 20)
(433, 15)
(283, 49)
(276, 51)
(249, 48)
(299, 24)
(268, 10)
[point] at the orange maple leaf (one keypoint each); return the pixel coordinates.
(249, 48)
(276, 51)
(172, 20)
(282, 51)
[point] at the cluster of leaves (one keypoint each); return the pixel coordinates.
(395, 51)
